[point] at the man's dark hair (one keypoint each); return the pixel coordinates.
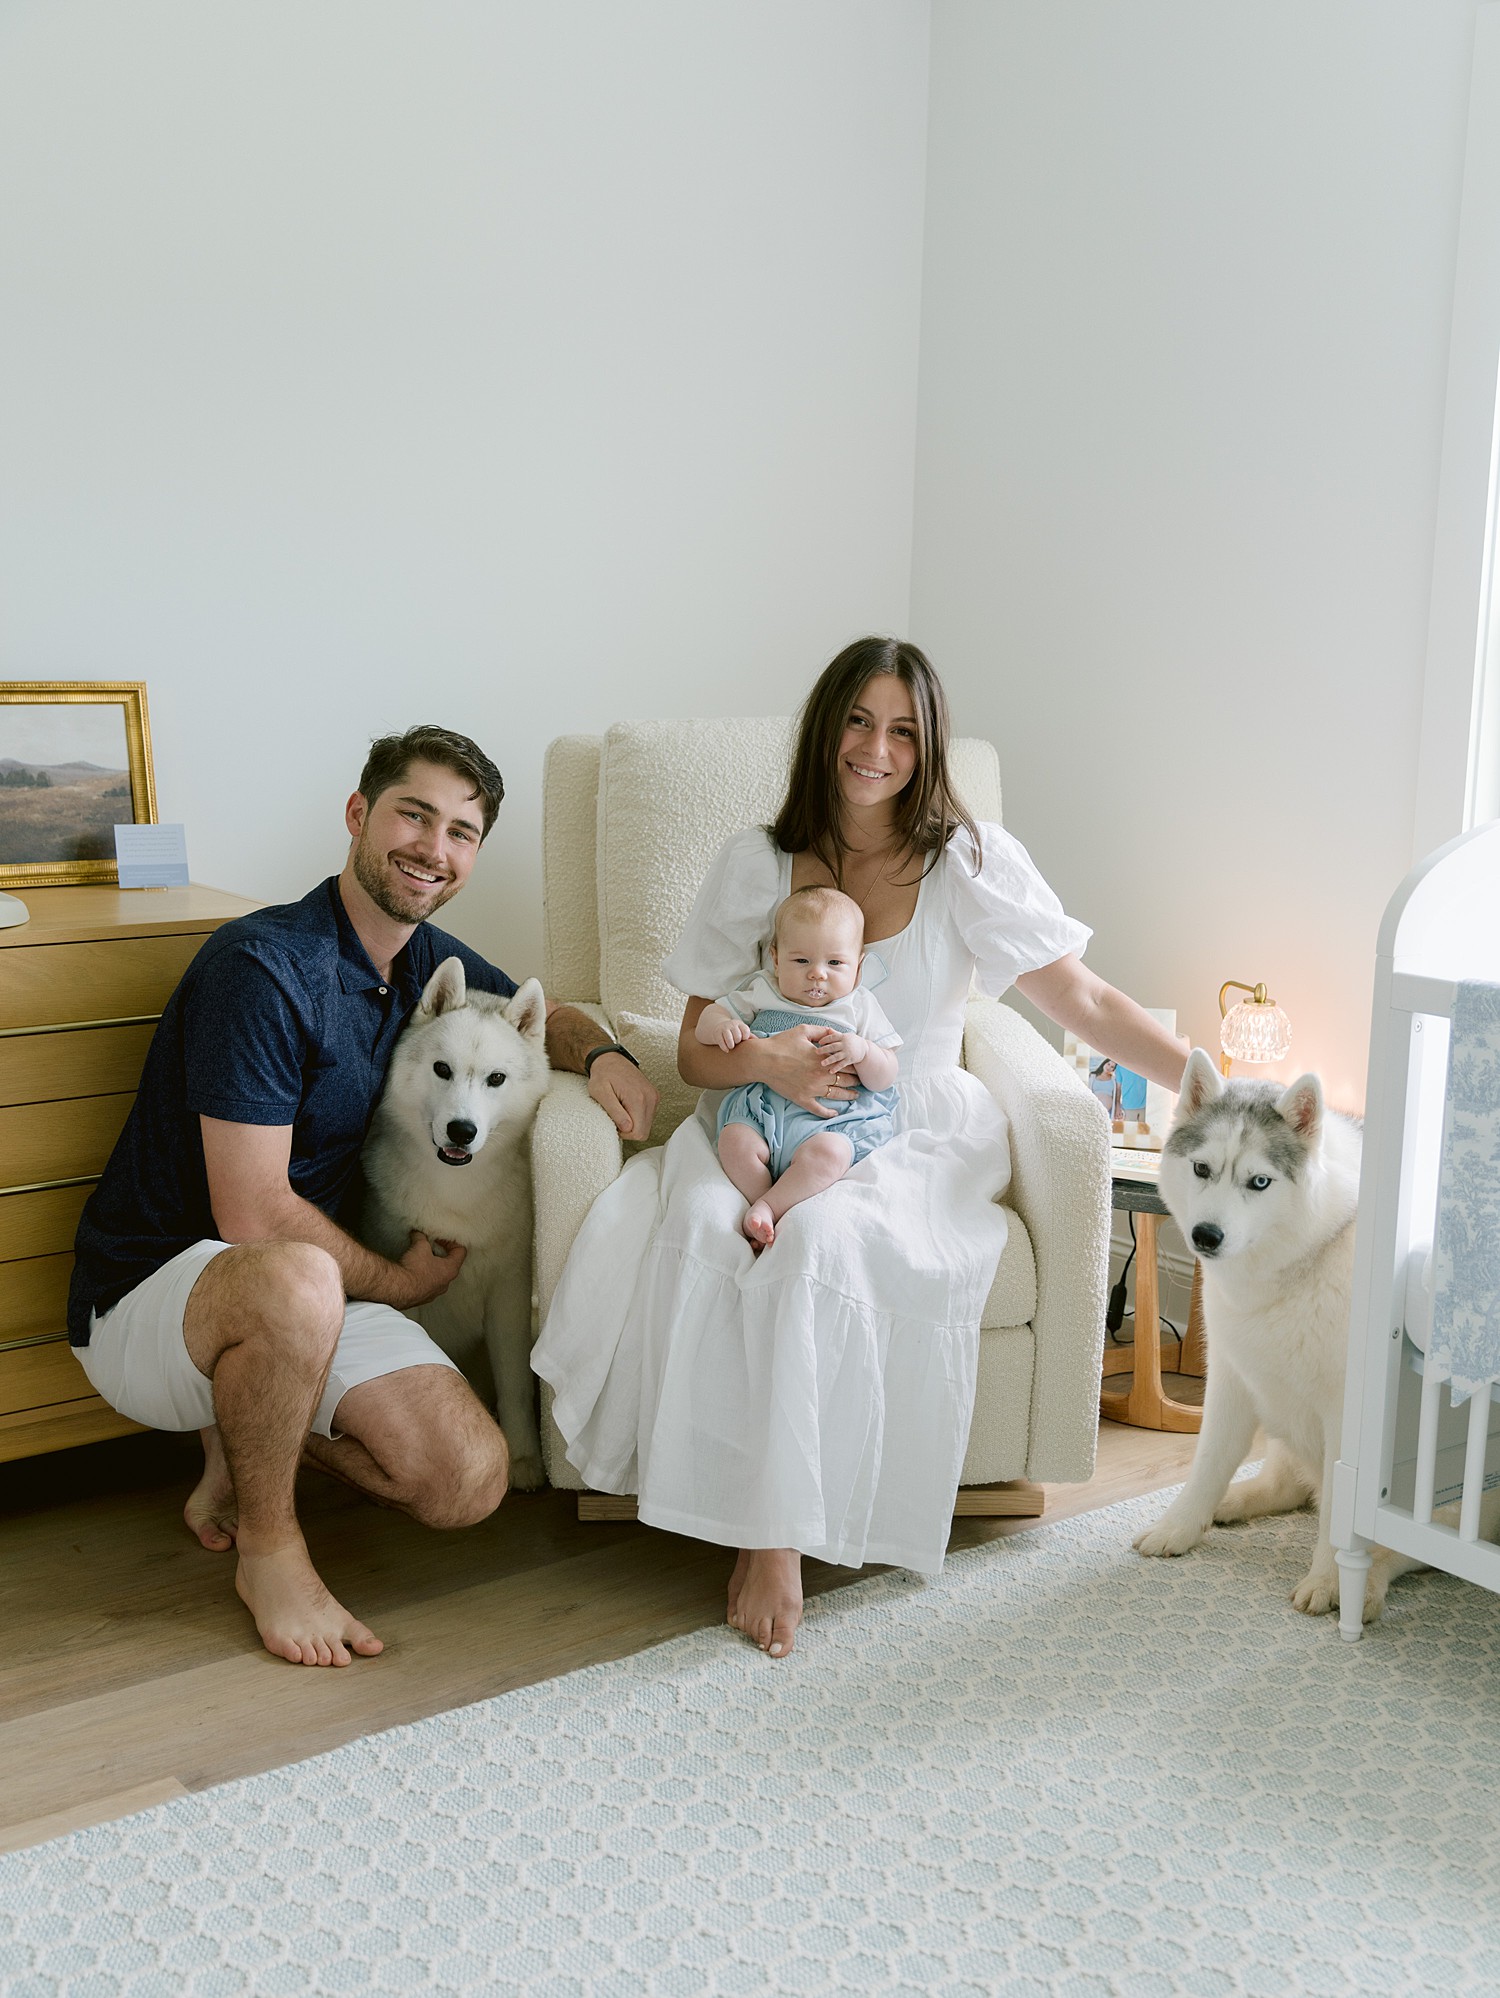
(393, 755)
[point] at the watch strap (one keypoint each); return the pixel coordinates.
(607, 1047)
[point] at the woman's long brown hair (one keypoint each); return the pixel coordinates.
(928, 811)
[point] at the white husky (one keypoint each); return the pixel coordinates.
(447, 1153)
(1263, 1182)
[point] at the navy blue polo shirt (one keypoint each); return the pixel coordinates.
(280, 1019)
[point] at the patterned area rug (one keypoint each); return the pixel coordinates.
(1059, 1770)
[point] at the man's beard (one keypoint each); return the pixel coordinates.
(413, 905)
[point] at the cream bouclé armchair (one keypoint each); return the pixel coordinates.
(630, 823)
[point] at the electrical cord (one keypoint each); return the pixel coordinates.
(1114, 1316)
(1115, 1313)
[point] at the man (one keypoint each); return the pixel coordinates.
(215, 1287)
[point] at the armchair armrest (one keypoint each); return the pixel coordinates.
(1060, 1187)
(575, 1153)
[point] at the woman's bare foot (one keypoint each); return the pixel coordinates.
(768, 1606)
(737, 1582)
(296, 1616)
(759, 1225)
(212, 1511)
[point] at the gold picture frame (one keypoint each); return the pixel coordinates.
(72, 753)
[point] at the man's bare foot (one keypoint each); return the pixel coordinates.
(768, 1607)
(759, 1226)
(296, 1616)
(211, 1511)
(737, 1582)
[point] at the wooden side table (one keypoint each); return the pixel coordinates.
(1145, 1404)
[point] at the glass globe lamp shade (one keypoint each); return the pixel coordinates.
(1256, 1030)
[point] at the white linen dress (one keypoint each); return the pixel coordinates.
(817, 1396)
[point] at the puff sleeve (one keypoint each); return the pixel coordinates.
(1008, 917)
(730, 921)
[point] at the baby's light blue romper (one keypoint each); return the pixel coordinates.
(867, 1121)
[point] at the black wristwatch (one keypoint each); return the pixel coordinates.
(607, 1047)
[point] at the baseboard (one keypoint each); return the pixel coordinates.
(1012, 1498)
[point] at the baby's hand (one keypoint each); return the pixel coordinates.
(732, 1033)
(844, 1050)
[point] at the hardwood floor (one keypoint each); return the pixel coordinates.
(130, 1673)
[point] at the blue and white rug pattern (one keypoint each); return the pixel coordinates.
(1059, 1771)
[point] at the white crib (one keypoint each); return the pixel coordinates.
(1406, 1451)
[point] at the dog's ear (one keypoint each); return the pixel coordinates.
(445, 991)
(1201, 1083)
(527, 1012)
(1301, 1106)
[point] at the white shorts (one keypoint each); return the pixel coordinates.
(138, 1360)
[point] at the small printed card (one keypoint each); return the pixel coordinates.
(151, 856)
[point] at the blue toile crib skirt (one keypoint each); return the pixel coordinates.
(1465, 1336)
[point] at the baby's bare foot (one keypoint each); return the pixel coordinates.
(211, 1511)
(769, 1605)
(296, 1616)
(759, 1226)
(737, 1582)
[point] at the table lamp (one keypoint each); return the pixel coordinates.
(1253, 1029)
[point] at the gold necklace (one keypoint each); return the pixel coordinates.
(880, 875)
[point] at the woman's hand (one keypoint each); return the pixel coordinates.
(793, 1063)
(790, 1062)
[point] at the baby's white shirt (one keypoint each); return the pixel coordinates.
(858, 1012)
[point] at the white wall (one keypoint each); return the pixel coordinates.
(1189, 277)
(527, 366)
(517, 366)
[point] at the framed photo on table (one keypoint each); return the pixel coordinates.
(75, 762)
(1139, 1111)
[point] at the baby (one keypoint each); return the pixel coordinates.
(773, 1150)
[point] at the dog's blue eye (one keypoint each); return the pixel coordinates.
(442, 1069)
(495, 1079)
(1260, 1182)
(1200, 1168)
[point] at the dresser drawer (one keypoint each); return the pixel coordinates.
(34, 1297)
(42, 1141)
(46, 985)
(34, 1376)
(39, 1224)
(92, 1061)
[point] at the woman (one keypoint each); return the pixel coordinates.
(816, 1399)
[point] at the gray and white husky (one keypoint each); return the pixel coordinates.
(447, 1153)
(1263, 1183)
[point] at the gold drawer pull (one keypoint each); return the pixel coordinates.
(80, 1026)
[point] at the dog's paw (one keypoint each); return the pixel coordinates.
(1317, 1593)
(1169, 1536)
(527, 1474)
(1232, 1509)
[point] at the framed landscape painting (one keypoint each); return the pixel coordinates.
(75, 762)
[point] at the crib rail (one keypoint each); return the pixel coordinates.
(1429, 941)
(1476, 1442)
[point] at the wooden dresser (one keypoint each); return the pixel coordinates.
(81, 986)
